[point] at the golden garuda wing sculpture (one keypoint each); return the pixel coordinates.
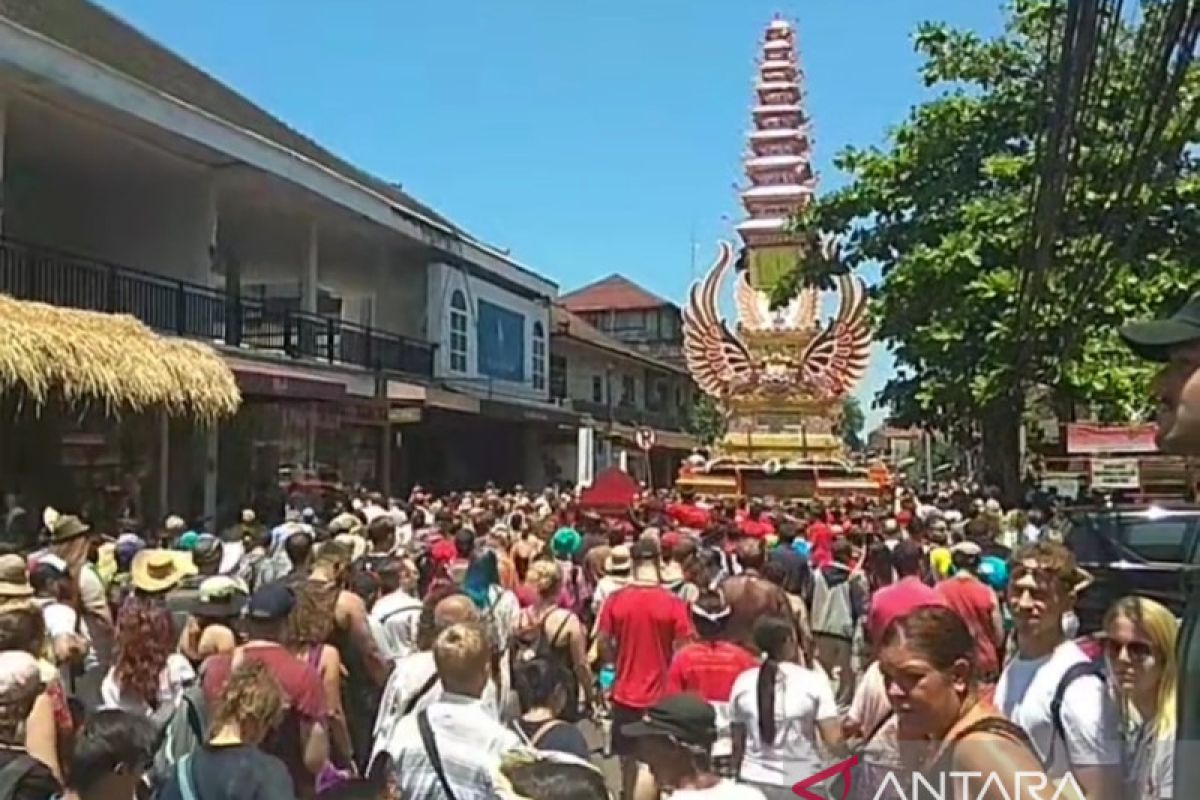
(723, 365)
(718, 360)
(837, 358)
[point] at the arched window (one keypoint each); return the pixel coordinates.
(539, 356)
(458, 331)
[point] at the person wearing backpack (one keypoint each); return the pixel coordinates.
(1052, 690)
(230, 765)
(550, 632)
(22, 777)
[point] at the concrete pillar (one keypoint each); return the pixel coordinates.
(211, 437)
(309, 271)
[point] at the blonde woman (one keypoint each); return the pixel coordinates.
(546, 630)
(1139, 648)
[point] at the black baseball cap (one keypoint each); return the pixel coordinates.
(685, 717)
(1153, 339)
(272, 602)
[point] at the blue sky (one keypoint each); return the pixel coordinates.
(587, 137)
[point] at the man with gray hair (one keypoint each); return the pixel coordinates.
(450, 749)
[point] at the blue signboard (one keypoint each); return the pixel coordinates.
(501, 339)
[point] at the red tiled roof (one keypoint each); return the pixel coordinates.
(615, 292)
(565, 323)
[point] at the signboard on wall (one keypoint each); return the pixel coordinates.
(1111, 474)
(1100, 439)
(501, 340)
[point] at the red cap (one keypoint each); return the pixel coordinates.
(443, 552)
(670, 540)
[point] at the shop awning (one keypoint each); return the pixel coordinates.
(281, 380)
(528, 411)
(113, 359)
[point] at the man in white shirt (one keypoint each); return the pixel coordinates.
(1085, 738)
(451, 748)
(397, 612)
(415, 685)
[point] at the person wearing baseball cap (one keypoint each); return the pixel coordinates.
(265, 625)
(675, 738)
(1173, 342)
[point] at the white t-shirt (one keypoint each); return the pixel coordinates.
(725, 790)
(398, 615)
(802, 698)
(63, 620)
(1089, 716)
(175, 676)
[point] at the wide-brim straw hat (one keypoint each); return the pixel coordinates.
(619, 560)
(14, 578)
(67, 527)
(156, 571)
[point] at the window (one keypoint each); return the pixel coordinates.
(597, 388)
(539, 356)
(558, 377)
(628, 390)
(458, 332)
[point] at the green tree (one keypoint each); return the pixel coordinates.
(853, 422)
(707, 421)
(974, 312)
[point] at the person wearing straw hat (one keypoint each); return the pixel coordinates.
(617, 566)
(1173, 342)
(14, 582)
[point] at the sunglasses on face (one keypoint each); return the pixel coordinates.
(1137, 652)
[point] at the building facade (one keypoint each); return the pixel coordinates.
(619, 391)
(632, 315)
(133, 183)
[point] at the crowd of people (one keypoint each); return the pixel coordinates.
(508, 644)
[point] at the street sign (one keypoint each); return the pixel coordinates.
(645, 438)
(1115, 473)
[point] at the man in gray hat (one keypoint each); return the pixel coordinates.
(1175, 343)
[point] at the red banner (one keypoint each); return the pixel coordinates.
(1093, 439)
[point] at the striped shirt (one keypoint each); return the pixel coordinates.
(469, 740)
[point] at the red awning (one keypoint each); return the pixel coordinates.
(612, 491)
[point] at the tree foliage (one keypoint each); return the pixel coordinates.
(853, 422)
(945, 208)
(707, 422)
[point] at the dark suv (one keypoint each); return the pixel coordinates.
(1132, 550)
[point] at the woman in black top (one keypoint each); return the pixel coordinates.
(541, 688)
(231, 766)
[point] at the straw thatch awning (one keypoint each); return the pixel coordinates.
(114, 359)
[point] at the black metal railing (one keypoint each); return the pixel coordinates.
(631, 415)
(185, 309)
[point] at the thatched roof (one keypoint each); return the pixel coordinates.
(113, 359)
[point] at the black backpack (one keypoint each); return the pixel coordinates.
(13, 773)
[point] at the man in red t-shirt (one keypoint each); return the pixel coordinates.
(710, 666)
(640, 627)
(977, 604)
(905, 595)
(300, 739)
(820, 539)
(686, 514)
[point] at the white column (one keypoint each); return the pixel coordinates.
(211, 437)
(309, 271)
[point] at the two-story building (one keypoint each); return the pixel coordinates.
(630, 314)
(620, 391)
(372, 340)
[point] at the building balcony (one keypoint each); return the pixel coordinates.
(199, 312)
(625, 414)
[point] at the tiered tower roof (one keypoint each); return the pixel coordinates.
(778, 162)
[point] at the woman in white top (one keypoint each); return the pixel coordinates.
(1139, 647)
(777, 711)
(147, 675)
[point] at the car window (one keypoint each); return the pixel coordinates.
(1165, 539)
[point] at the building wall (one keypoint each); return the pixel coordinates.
(442, 281)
